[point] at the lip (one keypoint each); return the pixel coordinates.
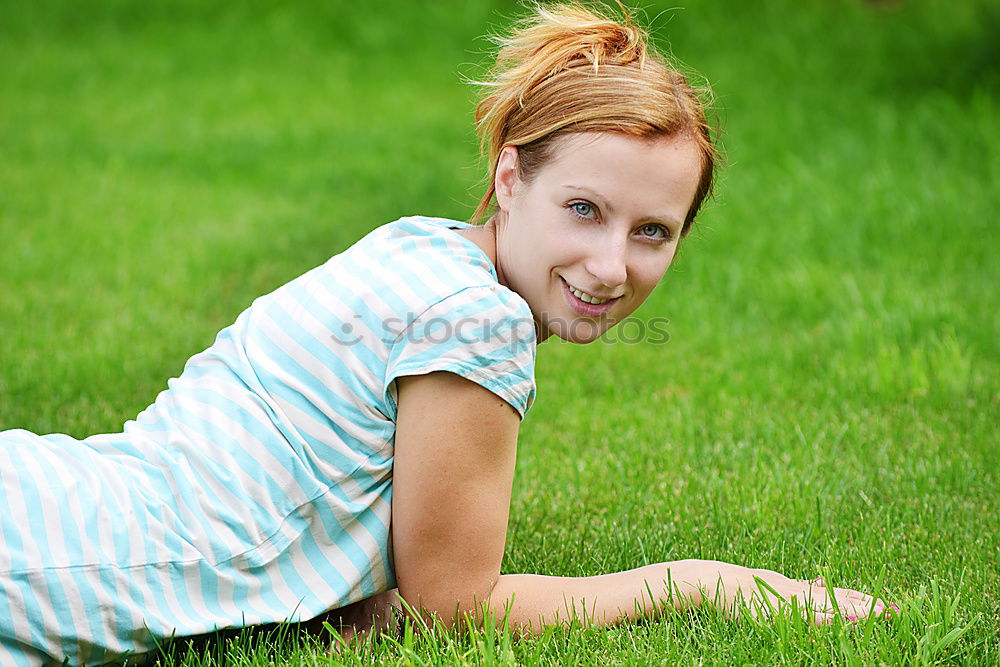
(584, 308)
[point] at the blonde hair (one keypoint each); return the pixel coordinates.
(568, 68)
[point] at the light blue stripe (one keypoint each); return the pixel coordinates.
(244, 441)
(209, 583)
(174, 543)
(370, 359)
(355, 553)
(89, 595)
(15, 548)
(298, 294)
(462, 271)
(413, 279)
(388, 565)
(240, 593)
(473, 255)
(158, 615)
(464, 311)
(327, 359)
(105, 457)
(379, 289)
(287, 436)
(380, 526)
(329, 453)
(334, 529)
(55, 586)
(298, 587)
(315, 386)
(302, 591)
(463, 367)
(292, 458)
(155, 608)
(125, 631)
(325, 567)
(11, 649)
(267, 522)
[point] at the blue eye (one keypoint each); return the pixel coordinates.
(655, 232)
(582, 209)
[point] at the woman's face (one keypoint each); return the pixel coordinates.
(586, 240)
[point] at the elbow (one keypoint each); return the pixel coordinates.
(447, 600)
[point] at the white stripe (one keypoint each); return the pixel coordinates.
(22, 656)
(294, 382)
(330, 381)
(263, 454)
(233, 543)
(165, 605)
(48, 513)
(206, 449)
(112, 477)
(353, 285)
(126, 573)
(308, 426)
(321, 332)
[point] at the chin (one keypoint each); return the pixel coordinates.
(578, 330)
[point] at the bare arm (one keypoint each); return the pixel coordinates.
(609, 599)
(536, 601)
(452, 475)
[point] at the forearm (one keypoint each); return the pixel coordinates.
(536, 601)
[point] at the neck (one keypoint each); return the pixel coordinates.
(490, 238)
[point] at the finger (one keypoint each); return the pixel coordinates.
(851, 598)
(854, 607)
(860, 603)
(846, 600)
(880, 607)
(858, 596)
(822, 618)
(818, 598)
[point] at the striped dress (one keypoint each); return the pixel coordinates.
(257, 487)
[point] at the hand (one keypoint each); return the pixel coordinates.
(735, 590)
(355, 622)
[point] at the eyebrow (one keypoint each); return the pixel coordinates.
(666, 219)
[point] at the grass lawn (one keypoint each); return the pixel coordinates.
(828, 401)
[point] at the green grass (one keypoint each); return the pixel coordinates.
(828, 400)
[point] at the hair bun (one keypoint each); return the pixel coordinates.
(563, 37)
(577, 35)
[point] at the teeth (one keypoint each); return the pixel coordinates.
(583, 296)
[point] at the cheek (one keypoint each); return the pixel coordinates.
(544, 246)
(650, 273)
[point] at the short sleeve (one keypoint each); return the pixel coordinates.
(485, 334)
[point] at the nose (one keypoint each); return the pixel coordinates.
(608, 262)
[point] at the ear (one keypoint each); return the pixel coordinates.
(506, 177)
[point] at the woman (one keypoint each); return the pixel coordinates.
(385, 389)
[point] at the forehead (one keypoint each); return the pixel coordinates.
(638, 176)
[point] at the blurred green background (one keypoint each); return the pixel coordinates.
(829, 395)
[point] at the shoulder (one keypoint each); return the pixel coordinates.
(427, 244)
(417, 263)
(468, 323)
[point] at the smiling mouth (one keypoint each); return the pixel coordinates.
(584, 303)
(583, 296)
